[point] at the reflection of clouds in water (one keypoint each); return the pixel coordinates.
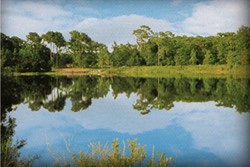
(118, 115)
(219, 130)
(40, 126)
(216, 129)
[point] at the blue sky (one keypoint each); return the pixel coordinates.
(114, 20)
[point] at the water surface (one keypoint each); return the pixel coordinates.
(197, 121)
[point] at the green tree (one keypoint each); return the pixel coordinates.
(232, 58)
(30, 62)
(48, 37)
(142, 35)
(134, 57)
(150, 53)
(209, 58)
(79, 45)
(221, 53)
(17, 43)
(193, 58)
(8, 60)
(161, 40)
(182, 56)
(59, 41)
(243, 44)
(34, 39)
(103, 57)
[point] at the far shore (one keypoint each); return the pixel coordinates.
(152, 71)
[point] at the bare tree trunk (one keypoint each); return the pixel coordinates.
(56, 56)
(53, 49)
(50, 51)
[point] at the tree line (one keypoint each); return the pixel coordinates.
(40, 53)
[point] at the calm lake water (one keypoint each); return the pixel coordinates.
(197, 121)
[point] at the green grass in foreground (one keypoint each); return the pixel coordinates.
(99, 156)
(102, 156)
(11, 157)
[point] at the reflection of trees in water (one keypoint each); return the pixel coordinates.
(11, 95)
(51, 93)
(56, 104)
(153, 93)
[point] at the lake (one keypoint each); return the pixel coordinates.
(199, 121)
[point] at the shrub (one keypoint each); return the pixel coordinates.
(101, 155)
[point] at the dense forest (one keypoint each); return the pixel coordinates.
(41, 53)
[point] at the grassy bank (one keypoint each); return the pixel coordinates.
(200, 69)
(153, 71)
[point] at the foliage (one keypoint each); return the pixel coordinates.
(10, 155)
(104, 59)
(152, 48)
(142, 36)
(243, 44)
(101, 155)
(182, 56)
(80, 45)
(125, 55)
(62, 59)
(232, 58)
(24, 57)
(209, 58)
(153, 93)
(34, 38)
(193, 58)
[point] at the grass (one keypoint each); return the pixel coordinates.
(153, 71)
(10, 155)
(101, 155)
(194, 69)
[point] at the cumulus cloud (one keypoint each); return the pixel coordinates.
(224, 137)
(42, 10)
(18, 25)
(38, 17)
(209, 18)
(120, 28)
(20, 18)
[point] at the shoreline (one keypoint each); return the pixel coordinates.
(152, 71)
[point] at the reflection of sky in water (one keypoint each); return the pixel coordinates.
(193, 133)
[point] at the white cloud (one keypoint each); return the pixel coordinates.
(18, 25)
(120, 28)
(20, 18)
(209, 18)
(42, 10)
(212, 132)
(40, 17)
